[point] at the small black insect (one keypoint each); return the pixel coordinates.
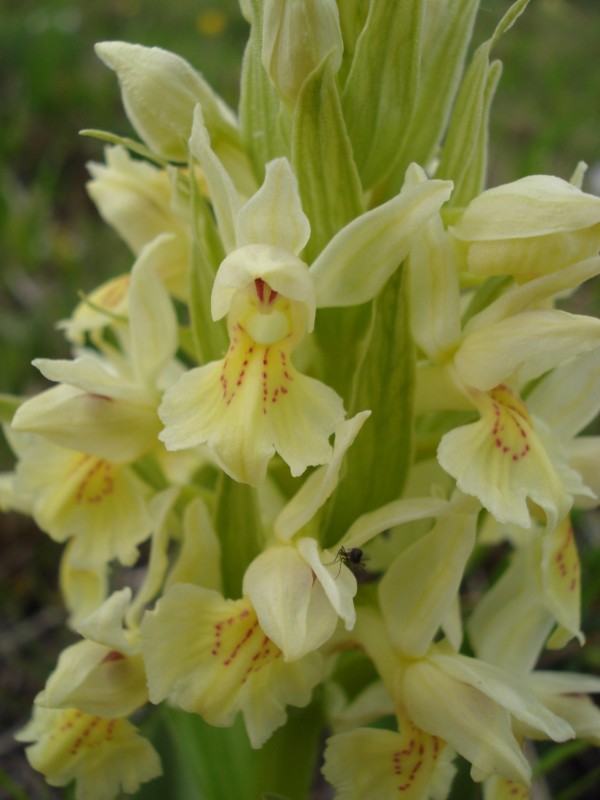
(353, 558)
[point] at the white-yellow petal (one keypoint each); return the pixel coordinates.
(538, 293)
(433, 284)
(362, 256)
(103, 426)
(565, 693)
(283, 271)
(561, 582)
(97, 680)
(534, 225)
(83, 590)
(423, 581)
(319, 486)
(291, 605)
(531, 343)
(584, 457)
(274, 215)
(506, 690)
(338, 584)
(94, 374)
(510, 623)
(398, 512)
(472, 723)
(153, 324)
(568, 398)
(221, 189)
(106, 625)
(160, 508)
(199, 558)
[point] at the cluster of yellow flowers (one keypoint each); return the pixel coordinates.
(335, 369)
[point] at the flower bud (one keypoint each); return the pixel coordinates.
(297, 35)
(159, 91)
(530, 227)
(135, 197)
(140, 201)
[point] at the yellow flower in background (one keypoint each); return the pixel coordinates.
(212, 22)
(106, 305)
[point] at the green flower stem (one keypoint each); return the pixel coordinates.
(238, 528)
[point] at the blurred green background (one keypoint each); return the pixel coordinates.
(53, 244)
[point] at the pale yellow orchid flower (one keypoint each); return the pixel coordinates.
(499, 788)
(79, 726)
(210, 656)
(254, 402)
(258, 654)
(103, 756)
(530, 227)
(101, 505)
(379, 764)
(465, 702)
(139, 200)
(108, 304)
(508, 457)
(106, 403)
(512, 622)
(298, 589)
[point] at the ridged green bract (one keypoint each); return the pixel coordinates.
(463, 158)
(378, 462)
(210, 338)
(320, 146)
(260, 107)
(382, 84)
